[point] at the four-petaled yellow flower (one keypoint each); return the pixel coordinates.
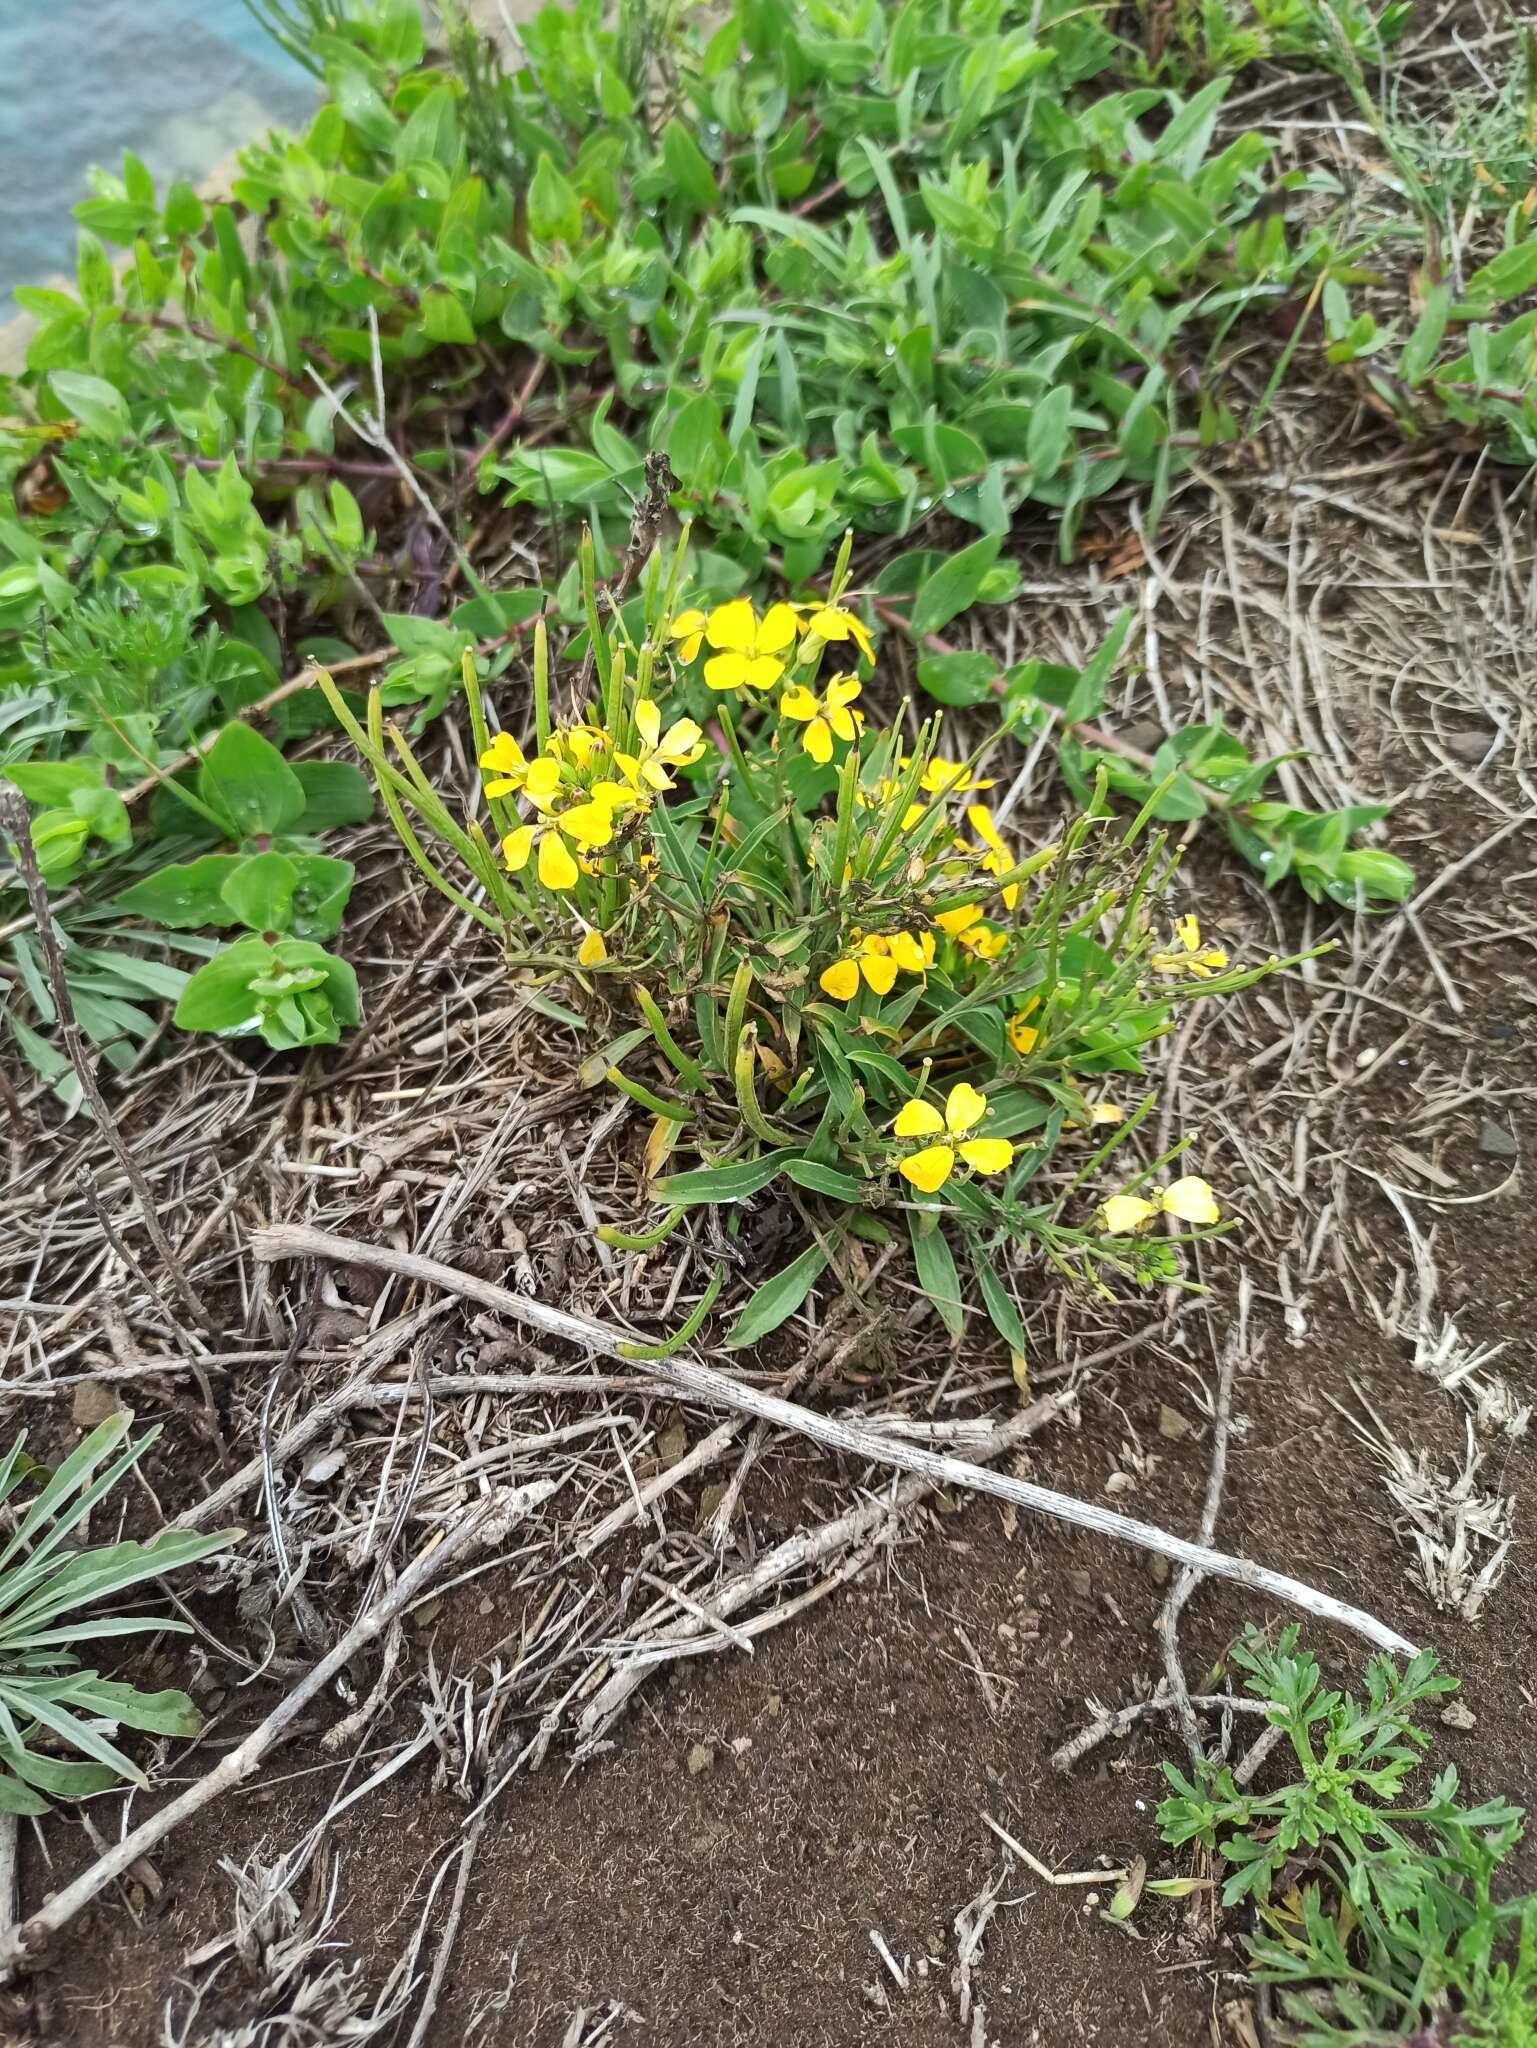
(1201, 962)
(752, 650)
(835, 622)
(879, 957)
(505, 760)
(825, 718)
(587, 826)
(929, 1169)
(688, 628)
(1190, 1200)
(948, 778)
(679, 747)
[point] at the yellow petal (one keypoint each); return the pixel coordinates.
(763, 671)
(726, 671)
(843, 690)
(965, 1108)
(880, 970)
(1187, 930)
(817, 739)
(1023, 1037)
(980, 819)
(779, 628)
(543, 778)
(798, 703)
(929, 1169)
(955, 921)
(648, 721)
(918, 1119)
(732, 627)
(682, 743)
(840, 981)
(517, 846)
(503, 755)
(845, 723)
(557, 870)
(1124, 1214)
(589, 824)
(592, 952)
(686, 624)
(1191, 1200)
(988, 1155)
(1106, 1113)
(907, 953)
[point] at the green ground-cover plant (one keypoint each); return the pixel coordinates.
(57, 1718)
(1376, 1914)
(855, 265)
(808, 950)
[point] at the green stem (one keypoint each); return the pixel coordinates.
(687, 1069)
(642, 1240)
(659, 1105)
(687, 1330)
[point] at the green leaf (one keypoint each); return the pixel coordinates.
(689, 169)
(999, 1303)
(260, 891)
(777, 1299)
(184, 896)
(99, 406)
(953, 586)
(732, 1183)
(444, 317)
(826, 1180)
(554, 210)
(962, 678)
(1510, 273)
(937, 1275)
(248, 784)
(335, 793)
(1430, 330)
(1046, 442)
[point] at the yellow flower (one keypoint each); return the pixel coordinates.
(835, 622)
(965, 1107)
(688, 627)
(997, 860)
(592, 952)
(678, 747)
(587, 825)
(948, 778)
(1190, 1200)
(825, 718)
(985, 940)
(752, 650)
(954, 922)
(879, 958)
(505, 759)
(1193, 959)
(1024, 1037)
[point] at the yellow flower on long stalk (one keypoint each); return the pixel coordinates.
(877, 958)
(997, 860)
(824, 718)
(835, 622)
(948, 778)
(965, 1107)
(1190, 1200)
(1198, 961)
(587, 825)
(679, 747)
(751, 649)
(505, 760)
(688, 629)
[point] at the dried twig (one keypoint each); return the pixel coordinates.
(294, 1240)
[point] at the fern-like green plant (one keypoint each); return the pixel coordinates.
(51, 1704)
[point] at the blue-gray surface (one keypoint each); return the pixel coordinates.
(181, 83)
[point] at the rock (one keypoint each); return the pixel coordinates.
(701, 1758)
(1495, 1142)
(1081, 1583)
(1158, 1569)
(1469, 746)
(1171, 1423)
(774, 1705)
(1458, 1716)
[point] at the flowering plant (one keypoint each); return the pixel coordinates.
(846, 976)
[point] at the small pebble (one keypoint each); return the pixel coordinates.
(1458, 1716)
(700, 1758)
(1495, 1142)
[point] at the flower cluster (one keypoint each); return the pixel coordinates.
(754, 653)
(877, 958)
(579, 785)
(1189, 1200)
